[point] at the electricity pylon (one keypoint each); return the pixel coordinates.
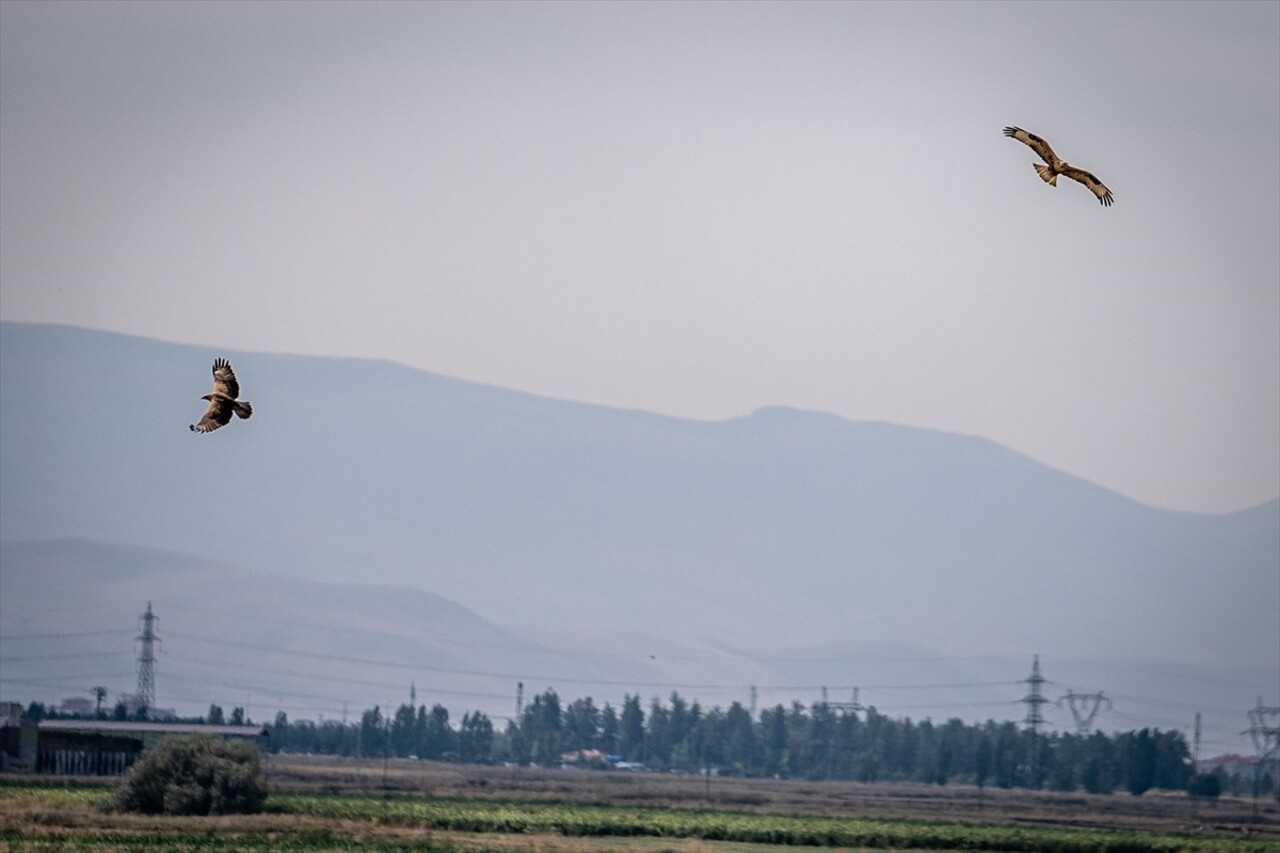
(851, 707)
(147, 661)
(1034, 698)
(1264, 729)
(1084, 707)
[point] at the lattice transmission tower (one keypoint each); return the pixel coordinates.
(1264, 730)
(853, 706)
(1035, 697)
(1084, 707)
(146, 695)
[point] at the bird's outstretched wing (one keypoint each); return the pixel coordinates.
(218, 414)
(1089, 180)
(1036, 144)
(224, 380)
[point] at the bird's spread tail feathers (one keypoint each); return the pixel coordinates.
(1046, 174)
(243, 409)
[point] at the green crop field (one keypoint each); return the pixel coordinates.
(37, 817)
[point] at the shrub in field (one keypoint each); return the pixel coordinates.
(1205, 785)
(195, 775)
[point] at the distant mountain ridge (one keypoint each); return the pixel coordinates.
(781, 528)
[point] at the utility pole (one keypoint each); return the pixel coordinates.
(147, 662)
(1084, 707)
(754, 697)
(386, 747)
(1195, 754)
(519, 701)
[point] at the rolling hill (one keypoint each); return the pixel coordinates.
(782, 529)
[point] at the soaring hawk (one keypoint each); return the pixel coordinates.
(1058, 166)
(222, 402)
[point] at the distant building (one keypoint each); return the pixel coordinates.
(133, 704)
(110, 747)
(1230, 765)
(77, 705)
(583, 758)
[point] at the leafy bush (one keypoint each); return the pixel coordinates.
(1205, 785)
(195, 775)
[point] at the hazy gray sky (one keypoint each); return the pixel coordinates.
(689, 208)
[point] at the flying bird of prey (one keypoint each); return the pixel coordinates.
(1057, 166)
(222, 402)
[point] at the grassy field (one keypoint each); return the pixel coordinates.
(331, 804)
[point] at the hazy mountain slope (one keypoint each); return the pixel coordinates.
(70, 609)
(271, 642)
(784, 527)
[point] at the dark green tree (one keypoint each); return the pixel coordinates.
(951, 749)
(821, 756)
(1097, 764)
(475, 738)
(741, 741)
(1140, 761)
(631, 727)
(926, 753)
(581, 725)
(799, 741)
(1172, 762)
(281, 733)
(540, 729)
(517, 743)
(773, 726)
(438, 739)
(372, 738)
(1007, 755)
(658, 741)
(1205, 786)
(982, 758)
(405, 733)
(610, 727)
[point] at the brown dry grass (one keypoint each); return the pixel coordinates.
(50, 825)
(1151, 812)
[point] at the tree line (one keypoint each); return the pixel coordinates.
(809, 742)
